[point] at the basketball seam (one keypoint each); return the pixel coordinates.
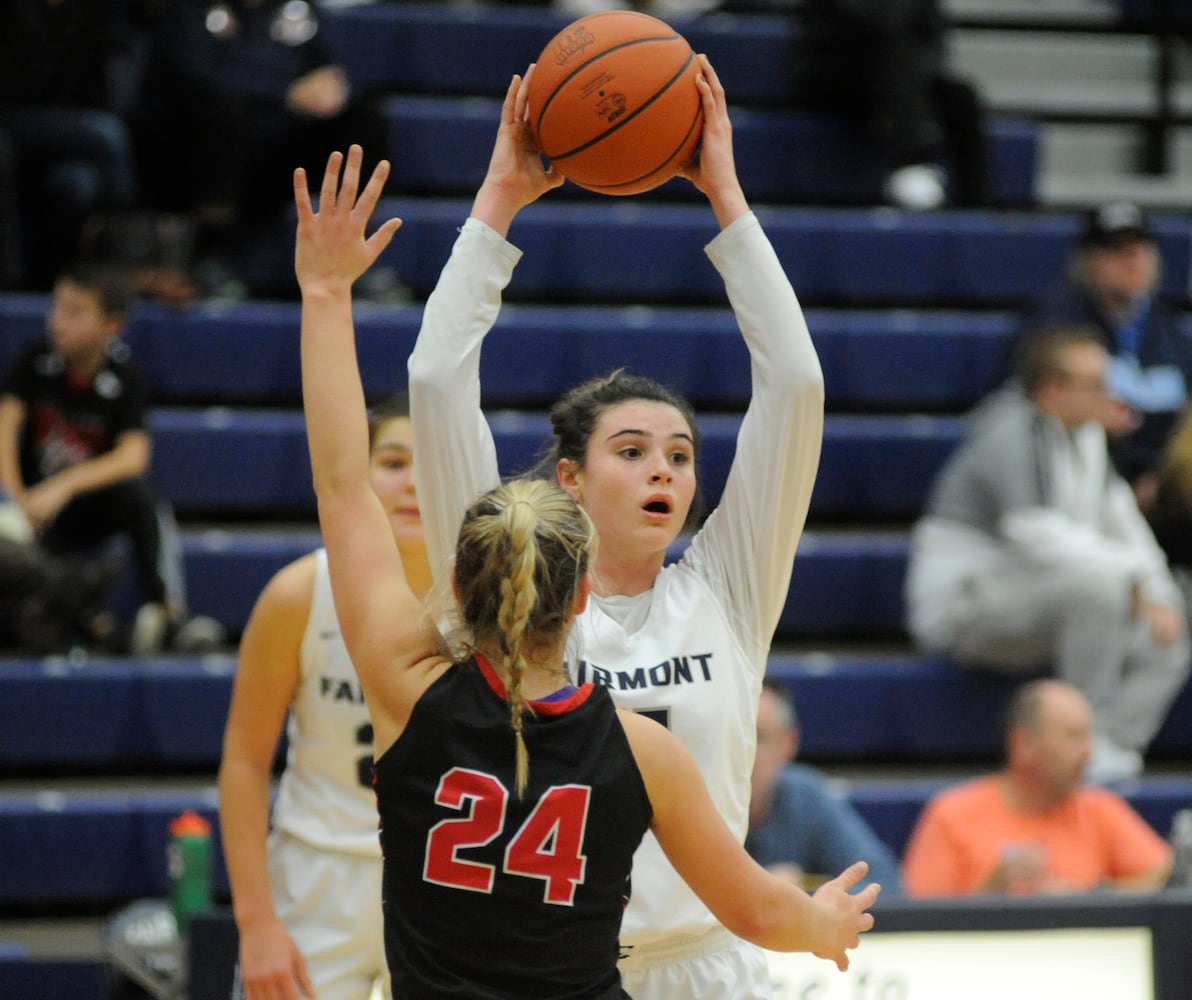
(662, 165)
(579, 69)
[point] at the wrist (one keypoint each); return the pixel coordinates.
(495, 208)
(329, 291)
(254, 917)
(728, 204)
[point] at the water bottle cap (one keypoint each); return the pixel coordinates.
(190, 824)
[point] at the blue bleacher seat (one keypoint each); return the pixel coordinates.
(627, 250)
(114, 713)
(432, 48)
(845, 584)
(123, 715)
(224, 461)
(109, 849)
(786, 157)
(911, 706)
(95, 848)
(247, 353)
(46, 978)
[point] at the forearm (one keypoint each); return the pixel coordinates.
(244, 826)
(128, 460)
(768, 491)
(1150, 881)
(11, 420)
(457, 460)
(783, 917)
(332, 394)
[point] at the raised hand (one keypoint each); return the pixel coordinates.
(713, 171)
(331, 250)
(516, 174)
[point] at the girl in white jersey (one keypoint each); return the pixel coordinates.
(687, 643)
(307, 896)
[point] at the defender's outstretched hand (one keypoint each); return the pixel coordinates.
(331, 250)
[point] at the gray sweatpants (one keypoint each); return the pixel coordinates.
(1080, 626)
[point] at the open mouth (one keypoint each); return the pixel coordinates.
(658, 507)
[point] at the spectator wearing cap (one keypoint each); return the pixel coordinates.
(1112, 285)
(1033, 557)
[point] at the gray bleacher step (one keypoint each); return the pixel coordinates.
(1051, 73)
(57, 937)
(1087, 163)
(1078, 190)
(1024, 13)
(1091, 148)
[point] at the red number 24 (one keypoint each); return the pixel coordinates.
(548, 846)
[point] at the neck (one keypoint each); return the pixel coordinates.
(627, 577)
(1026, 796)
(417, 566)
(1118, 306)
(545, 671)
(84, 365)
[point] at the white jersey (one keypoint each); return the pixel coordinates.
(691, 651)
(325, 797)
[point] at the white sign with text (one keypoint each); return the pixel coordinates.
(1090, 963)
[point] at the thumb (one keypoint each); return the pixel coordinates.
(379, 240)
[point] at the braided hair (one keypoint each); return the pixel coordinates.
(520, 560)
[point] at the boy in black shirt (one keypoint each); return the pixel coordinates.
(75, 445)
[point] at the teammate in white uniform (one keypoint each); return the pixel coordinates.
(307, 896)
(687, 643)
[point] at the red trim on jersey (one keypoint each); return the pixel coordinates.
(577, 698)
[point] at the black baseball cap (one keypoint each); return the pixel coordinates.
(1116, 224)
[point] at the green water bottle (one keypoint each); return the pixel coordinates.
(188, 861)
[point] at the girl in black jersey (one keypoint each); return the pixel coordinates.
(511, 802)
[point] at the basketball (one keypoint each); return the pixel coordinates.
(613, 102)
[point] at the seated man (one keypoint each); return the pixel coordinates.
(1035, 827)
(798, 825)
(1032, 553)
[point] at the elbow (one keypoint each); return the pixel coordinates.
(799, 382)
(427, 376)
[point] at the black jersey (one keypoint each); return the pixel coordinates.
(68, 421)
(488, 895)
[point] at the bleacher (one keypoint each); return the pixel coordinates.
(912, 316)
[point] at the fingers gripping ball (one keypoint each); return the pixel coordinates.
(613, 102)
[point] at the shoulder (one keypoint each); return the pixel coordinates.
(290, 590)
(37, 357)
(1105, 801)
(122, 362)
(965, 798)
(806, 780)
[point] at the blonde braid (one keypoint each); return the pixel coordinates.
(519, 595)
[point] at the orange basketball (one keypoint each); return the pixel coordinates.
(614, 104)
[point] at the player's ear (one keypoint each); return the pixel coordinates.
(569, 475)
(582, 593)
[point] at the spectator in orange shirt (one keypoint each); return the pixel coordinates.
(1035, 827)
